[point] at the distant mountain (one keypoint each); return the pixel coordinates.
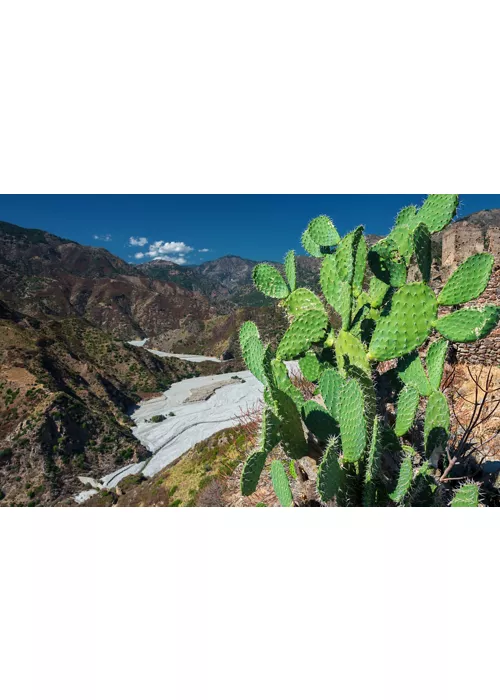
(227, 281)
(49, 277)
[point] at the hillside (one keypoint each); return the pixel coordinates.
(44, 276)
(65, 389)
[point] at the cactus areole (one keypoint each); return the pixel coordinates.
(378, 438)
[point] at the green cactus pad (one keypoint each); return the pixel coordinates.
(368, 390)
(323, 232)
(280, 484)
(423, 250)
(302, 300)
(251, 472)
(467, 496)
(406, 410)
(437, 422)
(268, 280)
(402, 237)
(386, 263)
(319, 421)
(346, 255)
(469, 325)
(252, 350)
(404, 481)
(406, 216)
(330, 476)
(310, 367)
(290, 269)
(269, 432)
(310, 246)
(372, 465)
(348, 345)
(248, 330)
(352, 421)
(407, 325)
(377, 292)
(436, 356)
(469, 281)
(331, 384)
(291, 430)
(411, 372)
(438, 211)
(308, 328)
(282, 381)
(359, 266)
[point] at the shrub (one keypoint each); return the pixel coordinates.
(157, 419)
(365, 454)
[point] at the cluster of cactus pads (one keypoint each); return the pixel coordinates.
(367, 314)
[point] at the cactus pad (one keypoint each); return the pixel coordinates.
(406, 410)
(438, 211)
(281, 380)
(310, 246)
(386, 263)
(359, 266)
(310, 367)
(252, 350)
(337, 291)
(302, 300)
(407, 325)
(469, 325)
(423, 250)
(330, 475)
(280, 484)
(291, 430)
(467, 496)
(268, 280)
(290, 269)
(331, 384)
(269, 430)
(372, 466)
(319, 421)
(323, 232)
(348, 345)
(436, 355)
(406, 216)
(411, 372)
(437, 422)
(469, 281)
(251, 472)
(308, 328)
(352, 422)
(377, 292)
(402, 237)
(404, 481)
(346, 255)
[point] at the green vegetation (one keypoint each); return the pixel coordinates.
(369, 456)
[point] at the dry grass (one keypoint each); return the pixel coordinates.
(467, 387)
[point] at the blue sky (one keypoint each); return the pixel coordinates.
(192, 228)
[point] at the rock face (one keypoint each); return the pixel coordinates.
(477, 233)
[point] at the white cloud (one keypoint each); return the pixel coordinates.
(107, 237)
(159, 249)
(141, 241)
(178, 259)
(174, 251)
(204, 250)
(139, 256)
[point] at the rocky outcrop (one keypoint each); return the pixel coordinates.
(477, 233)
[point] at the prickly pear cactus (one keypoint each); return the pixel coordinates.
(378, 437)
